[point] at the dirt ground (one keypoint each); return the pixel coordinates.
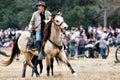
(86, 69)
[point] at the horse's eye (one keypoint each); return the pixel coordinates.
(57, 21)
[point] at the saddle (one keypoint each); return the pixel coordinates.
(32, 44)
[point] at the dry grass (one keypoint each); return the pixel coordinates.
(87, 69)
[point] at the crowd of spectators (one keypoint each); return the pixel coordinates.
(7, 37)
(74, 39)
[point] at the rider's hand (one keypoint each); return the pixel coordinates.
(46, 21)
(30, 27)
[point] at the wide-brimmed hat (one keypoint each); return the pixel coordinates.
(42, 3)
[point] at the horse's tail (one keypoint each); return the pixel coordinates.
(4, 54)
(14, 53)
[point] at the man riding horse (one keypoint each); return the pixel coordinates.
(37, 22)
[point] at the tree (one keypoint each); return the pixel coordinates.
(17, 13)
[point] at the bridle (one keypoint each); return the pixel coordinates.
(57, 27)
(57, 24)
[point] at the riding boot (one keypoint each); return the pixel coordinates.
(39, 46)
(40, 65)
(41, 54)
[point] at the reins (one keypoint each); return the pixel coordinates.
(59, 47)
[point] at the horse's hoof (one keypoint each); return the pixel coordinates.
(74, 74)
(37, 75)
(116, 61)
(41, 74)
(23, 76)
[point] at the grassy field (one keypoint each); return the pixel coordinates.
(86, 69)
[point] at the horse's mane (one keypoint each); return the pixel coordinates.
(48, 28)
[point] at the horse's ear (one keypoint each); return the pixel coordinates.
(53, 15)
(59, 12)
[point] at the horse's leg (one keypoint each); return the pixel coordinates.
(25, 63)
(35, 63)
(52, 60)
(34, 59)
(29, 58)
(28, 62)
(48, 65)
(65, 61)
(41, 66)
(33, 68)
(69, 66)
(32, 73)
(24, 68)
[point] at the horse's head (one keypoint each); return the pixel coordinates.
(59, 21)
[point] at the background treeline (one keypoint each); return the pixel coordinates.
(17, 13)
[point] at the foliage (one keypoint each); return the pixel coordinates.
(17, 13)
